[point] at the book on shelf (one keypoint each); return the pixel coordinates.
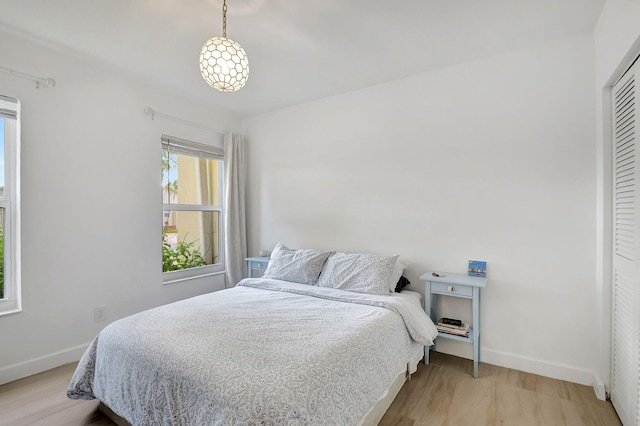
(456, 330)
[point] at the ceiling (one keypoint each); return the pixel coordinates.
(298, 50)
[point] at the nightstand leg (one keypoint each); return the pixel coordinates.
(476, 330)
(428, 300)
(434, 315)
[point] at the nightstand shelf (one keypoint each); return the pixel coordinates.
(458, 338)
(258, 263)
(455, 285)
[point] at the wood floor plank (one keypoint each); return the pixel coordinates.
(393, 419)
(586, 414)
(479, 407)
(84, 413)
(519, 406)
(443, 393)
(438, 401)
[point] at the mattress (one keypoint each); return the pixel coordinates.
(264, 352)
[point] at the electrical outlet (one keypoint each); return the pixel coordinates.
(100, 314)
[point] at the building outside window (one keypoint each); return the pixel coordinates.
(10, 291)
(192, 234)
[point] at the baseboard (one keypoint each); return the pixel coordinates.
(545, 368)
(600, 388)
(38, 365)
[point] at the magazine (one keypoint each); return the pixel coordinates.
(456, 330)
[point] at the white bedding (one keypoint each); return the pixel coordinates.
(264, 352)
(413, 294)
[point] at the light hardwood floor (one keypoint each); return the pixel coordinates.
(445, 393)
(442, 393)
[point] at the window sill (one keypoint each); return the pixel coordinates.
(10, 306)
(176, 277)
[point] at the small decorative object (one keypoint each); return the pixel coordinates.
(223, 62)
(451, 321)
(477, 268)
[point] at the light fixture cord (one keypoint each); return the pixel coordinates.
(224, 18)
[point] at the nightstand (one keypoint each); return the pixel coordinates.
(455, 285)
(258, 263)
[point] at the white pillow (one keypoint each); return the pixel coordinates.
(398, 270)
(362, 273)
(299, 266)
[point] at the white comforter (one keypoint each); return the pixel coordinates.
(264, 352)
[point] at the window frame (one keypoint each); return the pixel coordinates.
(198, 150)
(10, 111)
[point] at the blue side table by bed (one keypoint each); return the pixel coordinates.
(455, 285)
(258, 263)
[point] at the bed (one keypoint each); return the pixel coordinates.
(269, 351)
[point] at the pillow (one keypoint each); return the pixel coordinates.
(299, 266)
(402, 283)
(398, 270)
(362, 273)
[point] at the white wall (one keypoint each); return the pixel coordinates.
(617, 43)
(492, 159)
(91, 202)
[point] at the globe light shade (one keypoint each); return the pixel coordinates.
(224, 64)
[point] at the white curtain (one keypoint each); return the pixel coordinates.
(235, 226)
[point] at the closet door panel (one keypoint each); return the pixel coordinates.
(625, 368)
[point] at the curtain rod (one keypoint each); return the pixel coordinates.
(153, 114)
(40, 81)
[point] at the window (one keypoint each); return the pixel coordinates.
(9, 207)
(192, 232)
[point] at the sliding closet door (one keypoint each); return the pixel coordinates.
(626, 250)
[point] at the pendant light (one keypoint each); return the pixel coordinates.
(223, 62)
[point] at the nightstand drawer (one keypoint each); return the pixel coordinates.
(259, 265)
(453, 289)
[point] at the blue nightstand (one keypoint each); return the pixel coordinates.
(455, 285)
(258, 263)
